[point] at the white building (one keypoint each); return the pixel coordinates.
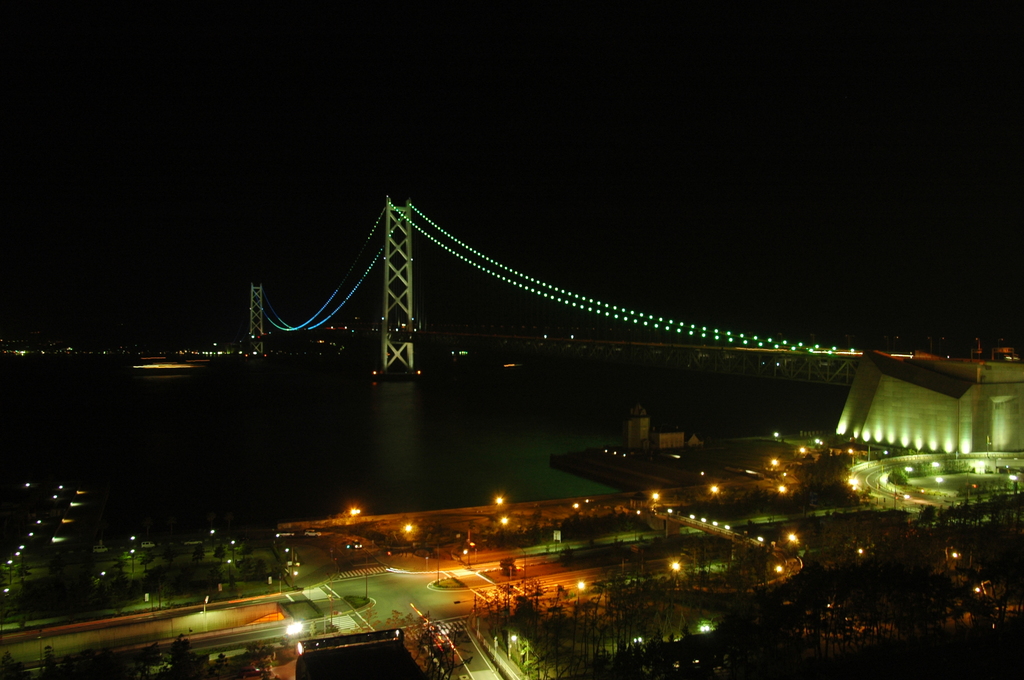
(934, 404)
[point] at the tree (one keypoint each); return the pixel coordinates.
(183, 579)
(182, 662)
(259, 654)
(57, 565)
(898, 476)
(229, 517)
(170, 552)
(103, 664)
(216, 574)
(147, 522)
(147, 660)
(11, 669)
(50, 670)
(171, 521)
(210, 516)
(508, 566)
(156, 580)
(219, 664)
(199, 553)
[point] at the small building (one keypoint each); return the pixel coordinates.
(380, 654)
(668, 439)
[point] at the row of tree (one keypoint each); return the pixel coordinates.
(179, 663)
(871, 582)
(67, 589)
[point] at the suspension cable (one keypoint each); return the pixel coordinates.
(286, 327)
(582, 302)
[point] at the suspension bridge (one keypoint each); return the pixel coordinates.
(599, 331)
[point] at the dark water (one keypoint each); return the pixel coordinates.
(290, 441)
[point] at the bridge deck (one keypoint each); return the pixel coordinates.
(830, 369)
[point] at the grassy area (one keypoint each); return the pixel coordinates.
(449, 583)
(357, 602)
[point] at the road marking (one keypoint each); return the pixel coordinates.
(345, 623)
(360, 572)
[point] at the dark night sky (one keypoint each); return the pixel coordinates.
(842, 174)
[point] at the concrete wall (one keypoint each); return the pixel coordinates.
(911, 416)
(997, 410)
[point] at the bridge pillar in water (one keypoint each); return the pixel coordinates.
(397, 356)
(256, 318)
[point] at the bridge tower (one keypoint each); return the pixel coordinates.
(397, 356)
(256, 318)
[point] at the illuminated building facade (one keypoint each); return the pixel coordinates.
(933, 404)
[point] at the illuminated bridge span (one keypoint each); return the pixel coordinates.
(601, 331)
(920, 402)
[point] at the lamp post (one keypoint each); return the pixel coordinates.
(580, 586)
(3, 611)
(366, 579)
(1016, 515)
(330, 601)
(676, 566)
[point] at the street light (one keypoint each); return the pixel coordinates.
(3, 611)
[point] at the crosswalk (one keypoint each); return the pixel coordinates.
(360, 572)
(453, 628)
(345, 623)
